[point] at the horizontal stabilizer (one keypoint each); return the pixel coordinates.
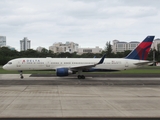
(143, 63)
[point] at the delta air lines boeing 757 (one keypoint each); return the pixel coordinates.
(68, 66)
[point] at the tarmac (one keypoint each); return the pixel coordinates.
(97, 97)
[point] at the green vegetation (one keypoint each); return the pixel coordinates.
(147, 70)
(2, 71)
(140, 71)
(6, 54)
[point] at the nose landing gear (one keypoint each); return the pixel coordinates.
(21, 74)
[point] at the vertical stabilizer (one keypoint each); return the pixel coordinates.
(142, 50)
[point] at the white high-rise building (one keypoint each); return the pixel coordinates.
(2, 41)
(122, 46)
(25, 44)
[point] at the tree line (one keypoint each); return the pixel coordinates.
(6, 54)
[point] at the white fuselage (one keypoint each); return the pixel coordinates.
(54, 63)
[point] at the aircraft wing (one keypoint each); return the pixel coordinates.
(75, 68)
(87, 66)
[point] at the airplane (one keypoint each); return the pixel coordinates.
(68, 66)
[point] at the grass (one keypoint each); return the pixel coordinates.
(140, 71)
(2, 71)
(143, 70)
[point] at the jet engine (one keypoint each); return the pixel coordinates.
(64, 72)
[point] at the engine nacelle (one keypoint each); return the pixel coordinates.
(63, 72)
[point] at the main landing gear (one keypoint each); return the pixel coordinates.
(21, 74)
(81, 77)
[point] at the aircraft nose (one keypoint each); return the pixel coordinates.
(4, 67)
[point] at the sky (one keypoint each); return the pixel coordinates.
(89, 23)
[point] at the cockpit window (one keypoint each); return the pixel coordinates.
(9, 63)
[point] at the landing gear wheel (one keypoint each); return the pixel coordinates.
(81, 77)
(21, 74)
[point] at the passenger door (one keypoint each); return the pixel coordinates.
(18, 64)
(126, 64)
(48, 63)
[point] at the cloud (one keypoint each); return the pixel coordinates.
(89, 23)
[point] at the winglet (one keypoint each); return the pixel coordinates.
(102, 59)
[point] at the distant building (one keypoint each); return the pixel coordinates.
(119, 46)
(89, 50)
(155, 44)
(39, 49)
(2, 41)
(25, 44)
(59, 47)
